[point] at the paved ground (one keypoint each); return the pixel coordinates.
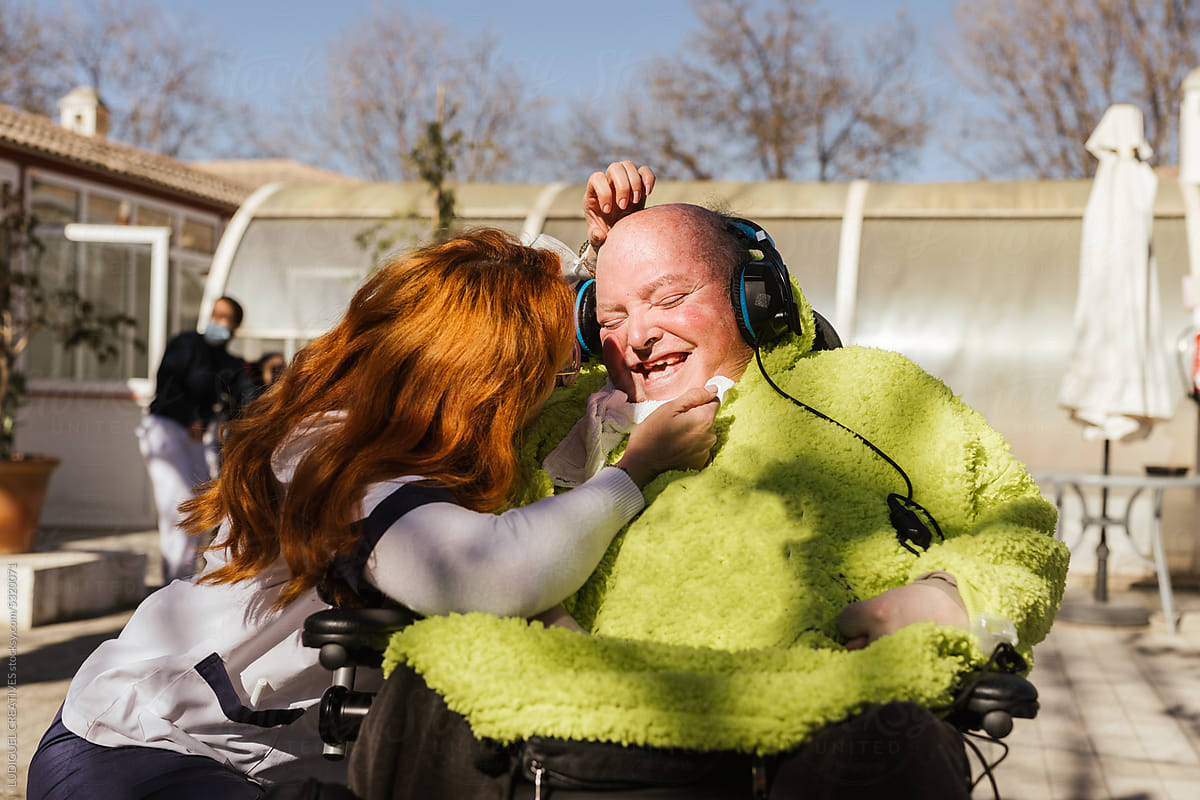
(1120, 716)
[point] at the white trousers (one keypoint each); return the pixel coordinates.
(177, 467)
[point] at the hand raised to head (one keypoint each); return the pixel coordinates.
(615, 193)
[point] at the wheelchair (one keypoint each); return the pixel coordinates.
(352, 639)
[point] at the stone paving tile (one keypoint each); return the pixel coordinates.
(1119, 718)
(1024, 773)
(1135, 788)
(1103, 721)
(1176, 773)
(1164, 741)
(1072, 776)
(1107, 744)
(1099, 696)
(1141, 701)
(1181, 790)
(1118, 766)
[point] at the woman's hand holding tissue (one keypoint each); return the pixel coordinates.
(677, 435)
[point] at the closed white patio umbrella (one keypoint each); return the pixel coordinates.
(1118, 382)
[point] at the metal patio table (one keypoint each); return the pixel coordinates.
(1157, 484)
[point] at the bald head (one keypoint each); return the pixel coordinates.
(662, 299)
(680, 227)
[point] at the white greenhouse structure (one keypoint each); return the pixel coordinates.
(974, 281)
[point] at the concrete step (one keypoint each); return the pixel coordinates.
(145, 542)
(62, 585)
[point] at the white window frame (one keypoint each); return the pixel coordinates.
(198, 263)
(159, 240)
(177, 258)
(10, 173)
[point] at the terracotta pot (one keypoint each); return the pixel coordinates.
(23, 483)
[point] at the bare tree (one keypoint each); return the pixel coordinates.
(30, 61)
(774, 92)
(382, 83)
(160, 76)
(162, 80)
(870, 116)
(640, 129)
(1044, 71)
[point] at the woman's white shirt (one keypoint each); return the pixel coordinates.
(442, 558)
(193, 654)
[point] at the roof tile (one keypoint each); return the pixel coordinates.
(38, 134)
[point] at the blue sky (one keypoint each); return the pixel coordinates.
(566, 48)
(560, 31)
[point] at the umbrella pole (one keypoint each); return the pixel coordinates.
(1098, 610)
(1101, 594)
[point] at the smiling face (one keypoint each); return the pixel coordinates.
(662, 299)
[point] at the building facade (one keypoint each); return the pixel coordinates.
(82, 409)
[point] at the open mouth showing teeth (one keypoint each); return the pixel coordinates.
(650, 369)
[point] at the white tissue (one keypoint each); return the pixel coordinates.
(609, 418)
(721, 384)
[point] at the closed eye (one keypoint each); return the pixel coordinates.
(670, 301)
(610, 323)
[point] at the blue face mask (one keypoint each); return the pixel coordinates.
(216, 333)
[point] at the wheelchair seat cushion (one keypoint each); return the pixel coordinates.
(714, 613)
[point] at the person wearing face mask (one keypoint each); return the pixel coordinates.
(198, 381)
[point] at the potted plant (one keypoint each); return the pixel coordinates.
(28, 305)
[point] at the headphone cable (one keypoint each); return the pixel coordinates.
(905, 512)
(987, 769)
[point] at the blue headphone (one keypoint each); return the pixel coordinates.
(759, 291)
(587, 327)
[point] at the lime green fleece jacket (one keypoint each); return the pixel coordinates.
(714, 613)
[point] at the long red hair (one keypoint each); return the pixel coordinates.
(435, 367)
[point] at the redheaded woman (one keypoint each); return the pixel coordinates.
(373, 467)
